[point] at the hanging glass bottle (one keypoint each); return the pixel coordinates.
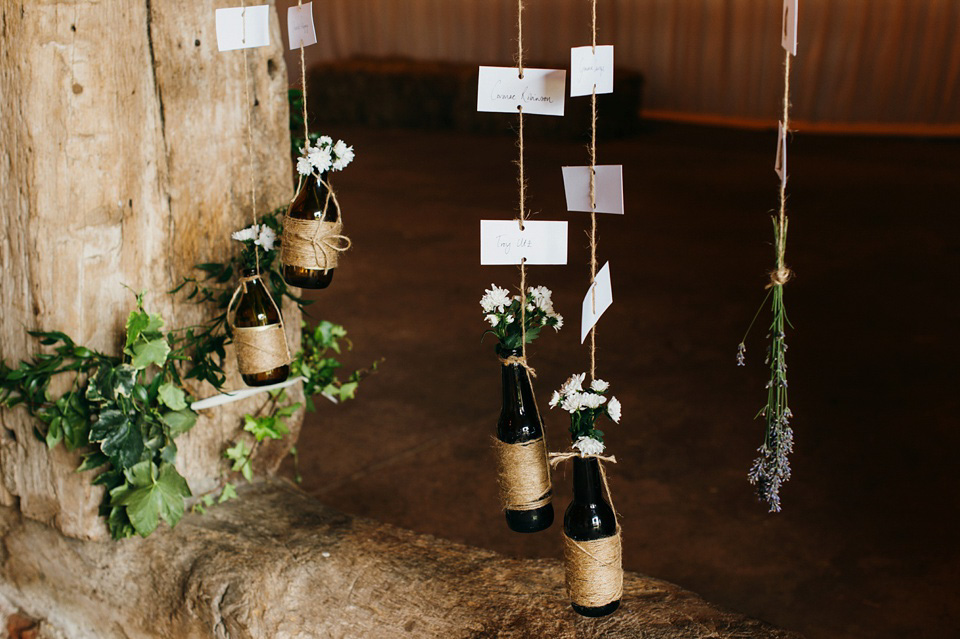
(524, 475)
(312, 239)
(261, 344)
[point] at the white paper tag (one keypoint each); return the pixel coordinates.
(502, 90)
(502, 242)
(588, 70)
(300, 29)
(781, 163)
(239, 28)
(608, 188)
(788, 37)
(598, 299)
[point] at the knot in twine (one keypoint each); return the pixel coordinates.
(314, 243)
(780, 276)
(523, 474)
(519, 360)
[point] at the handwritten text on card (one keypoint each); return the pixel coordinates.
(502, 242)
(243, 28)
(588, 70)
(598, 299)
(539, 91)
(608, 188)
(300, 30)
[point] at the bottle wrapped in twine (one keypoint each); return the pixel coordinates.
(317, 243)
(259, 348)
(523, 474)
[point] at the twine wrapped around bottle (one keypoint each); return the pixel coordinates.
(259, 348)
(523, 474)
(593, 569)
(314, 244)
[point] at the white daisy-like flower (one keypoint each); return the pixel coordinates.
(343, 155)
(493, 319)
(613, 409)
(321, 159)
(324, 140)
(531, 308)
(599, 385)
(589, 446)
(571, 403)
(592, 400)
(303, 166)
(266, 238)
(559, 323)
(542, 298)
(249, 233)
(495, 299)
(508, 319)
(555, 400)
(573, 385)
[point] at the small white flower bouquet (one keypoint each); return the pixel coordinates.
(324, 156)
(585, 406)
(503, 313)
(258, 237)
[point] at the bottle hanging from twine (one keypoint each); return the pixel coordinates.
(256, 325)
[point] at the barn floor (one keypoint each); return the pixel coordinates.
(866, 545)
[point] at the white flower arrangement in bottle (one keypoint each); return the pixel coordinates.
(324, 156)
(585, 406)
(502, 311)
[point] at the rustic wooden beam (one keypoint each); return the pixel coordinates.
(276, 563)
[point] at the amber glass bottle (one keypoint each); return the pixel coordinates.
(309, 205)
(589, 517)
(520, 422)
(254, 310)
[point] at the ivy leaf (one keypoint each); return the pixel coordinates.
(172, 396)
(158, 495)
(179, 421)
(348, 391)
(124, 378)
(152, 352)
(119, 438)
(54, 432)
(229, 492)
(93, 460)
(137, 321)
(289, 410)
(264, 427)
(240, 455)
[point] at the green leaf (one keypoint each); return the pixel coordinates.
(348, 391)
(179, 421)
(240, 455)
(137, 321)
(229, 492)
(173, 397)
(93, 460)
(152, 352)
(159, 495)
(289, 410)
(54, 432)
(265, 427)
(119, 438)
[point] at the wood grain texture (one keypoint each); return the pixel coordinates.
(277, 564)
(123, 162)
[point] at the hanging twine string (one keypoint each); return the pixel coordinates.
(303, 89)
(781, 275)
(249, 112)
(523, 198)
(593, 203)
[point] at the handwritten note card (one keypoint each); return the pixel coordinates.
(539, 91)
(608, 188)
(239, 28)
(300, 29)
(502, 242)
(781, 164)
(788, 37)
(598, 299)
(588, 70)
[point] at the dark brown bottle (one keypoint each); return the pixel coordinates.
(253, 310)
(589, 517)
(520, 422)
(309, 205)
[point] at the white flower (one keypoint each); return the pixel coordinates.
(249, 233)
(303, 166)
(599, 385)
(508, 319)
(573, 385)
(588, 446)
(571, 403)
(592, 400)
(493, 319)
(495, 299)
(555, 399)
(343, 155)
(613, 409)
(267, 237)
(542, 298)
(321, 159)
(324, 140)
(559, 323)
(531, 308)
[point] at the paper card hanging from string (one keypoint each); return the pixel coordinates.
(588, 70)
(788, 37)
(502, 242)
(539, 91)
(594, 307)
(781, 163)
(608, 188)
(243, 28)
(300, 29)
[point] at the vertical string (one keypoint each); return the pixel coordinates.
(249, 112)
(782, 272)
(523, 190)
(303, 89)
(593, 203)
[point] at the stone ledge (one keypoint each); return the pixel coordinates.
(276, 563)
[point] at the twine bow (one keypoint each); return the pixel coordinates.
(558, 458)
(318, 239)
(519, 360)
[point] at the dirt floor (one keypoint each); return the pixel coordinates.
(866, 545)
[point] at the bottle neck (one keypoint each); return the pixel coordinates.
(587, 484)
